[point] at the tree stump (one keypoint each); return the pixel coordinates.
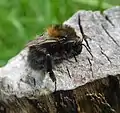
(93, 86)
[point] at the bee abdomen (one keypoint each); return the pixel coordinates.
(36, 59)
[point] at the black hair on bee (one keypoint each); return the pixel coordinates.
(58, 43)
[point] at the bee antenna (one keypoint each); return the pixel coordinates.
(84, 37)
(80, 27)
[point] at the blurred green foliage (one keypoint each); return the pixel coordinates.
(22, 20)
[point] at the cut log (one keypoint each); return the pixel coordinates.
(93, 86)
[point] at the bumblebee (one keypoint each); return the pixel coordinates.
(59, 42)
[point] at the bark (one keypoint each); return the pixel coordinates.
(94, 83)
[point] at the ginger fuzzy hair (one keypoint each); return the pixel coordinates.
(53, 31)
(59, 31)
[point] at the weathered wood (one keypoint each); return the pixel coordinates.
(89, 90)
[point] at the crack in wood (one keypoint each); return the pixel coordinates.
(110, 35)
(105, 55)
(90, 66)
(107, 19)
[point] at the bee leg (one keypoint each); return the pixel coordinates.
(49, 68)
(67, 58)
(75, 58)
(88, 50)
(52, 76)
(85, 37)
(68, 72)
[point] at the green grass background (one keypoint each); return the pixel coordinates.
(22, 20)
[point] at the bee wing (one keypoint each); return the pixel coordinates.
(42, 40)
